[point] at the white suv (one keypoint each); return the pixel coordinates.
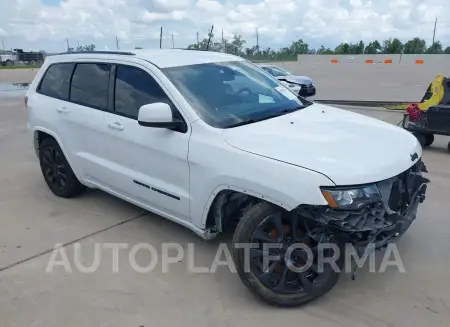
(213, 142)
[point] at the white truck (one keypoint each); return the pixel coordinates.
(8, 59)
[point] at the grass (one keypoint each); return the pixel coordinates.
(19, 67)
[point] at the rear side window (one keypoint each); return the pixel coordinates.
(56, 81)
(135, 88)
(90, 85)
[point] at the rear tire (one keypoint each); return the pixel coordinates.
(57, 172)
(429, 139)
(291, 288)
(421, 138)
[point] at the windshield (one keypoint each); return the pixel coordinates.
(276, 71)
(229, 94)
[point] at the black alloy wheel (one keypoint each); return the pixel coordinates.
(284, 267)
(56, 170)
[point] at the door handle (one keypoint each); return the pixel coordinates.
(116, 125)
(62, 110)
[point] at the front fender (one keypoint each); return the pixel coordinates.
(216, 166)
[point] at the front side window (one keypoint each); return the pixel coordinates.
(90, 85)
(56, 81)
(135, 88)
(229, 94)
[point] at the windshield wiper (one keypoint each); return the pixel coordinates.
(280, 113)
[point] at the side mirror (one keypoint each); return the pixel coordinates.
(158, 115)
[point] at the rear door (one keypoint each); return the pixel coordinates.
(146, 164)
(84, 115)
(72, 98)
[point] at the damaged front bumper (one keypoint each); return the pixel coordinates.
(378, 223)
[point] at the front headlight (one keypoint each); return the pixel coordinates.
(351, 198)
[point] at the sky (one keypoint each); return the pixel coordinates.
(51, 24)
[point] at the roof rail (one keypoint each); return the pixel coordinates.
(99, 52)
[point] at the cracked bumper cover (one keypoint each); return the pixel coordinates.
(382, 222)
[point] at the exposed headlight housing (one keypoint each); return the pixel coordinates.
(351, 198)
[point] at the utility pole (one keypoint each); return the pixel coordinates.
(223, 44)
(3, 45)
(209, 39)
(197, 38)
(434, 32)
(173, 42)
(117, 42)
(160, 38)
(68, 46)
(257, 41)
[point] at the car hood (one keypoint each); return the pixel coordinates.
(348, 148)
(296, 79)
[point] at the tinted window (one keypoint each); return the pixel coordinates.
(90, 85)
(133, 89)
(56, 81)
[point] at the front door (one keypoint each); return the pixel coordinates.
(147, 164)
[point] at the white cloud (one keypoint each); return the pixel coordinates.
(25, 23)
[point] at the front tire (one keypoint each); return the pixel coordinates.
(57, 172)
(278, 283)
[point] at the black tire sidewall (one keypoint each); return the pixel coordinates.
(73, 186)
(429, 139)
(421, 138)
(243, 234)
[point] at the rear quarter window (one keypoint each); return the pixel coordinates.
(56, 81)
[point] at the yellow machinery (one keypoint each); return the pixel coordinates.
(437, 93)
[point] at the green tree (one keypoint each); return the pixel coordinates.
(83, 48)
(373, 47)
(415, 45)
(343, 48)
(299, 47)
(435, 48)
(392, 46)
(447, 50)
(236, 46)
(324, 50)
